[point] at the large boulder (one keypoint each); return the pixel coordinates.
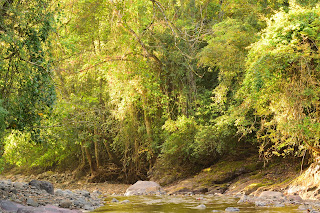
(144, 188)
(271, 195)
(42, 185)
(9, 206)
(267, 198)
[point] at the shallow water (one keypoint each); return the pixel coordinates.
(183, 204)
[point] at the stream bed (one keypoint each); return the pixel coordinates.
(184, 204)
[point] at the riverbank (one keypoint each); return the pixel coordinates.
(18, 194)
(245, 176)
(244, 179)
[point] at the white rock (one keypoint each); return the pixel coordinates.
(201, 206)
(144, 188)
(232, 209)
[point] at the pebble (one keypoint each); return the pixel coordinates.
(65, 204)
(232, 209)
(114, 200)
(201, 206)
(125, 201)
(31, 202)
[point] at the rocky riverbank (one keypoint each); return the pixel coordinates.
(40, 196)
(278, 184)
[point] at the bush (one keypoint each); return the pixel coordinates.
(178, 148)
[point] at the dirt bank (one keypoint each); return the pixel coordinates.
(245, 176)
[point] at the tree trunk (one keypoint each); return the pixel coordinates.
(96, 149)
(83, 154)
(92, 165)
(106, 144)
(147, 119)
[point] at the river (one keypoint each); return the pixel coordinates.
(183, 204)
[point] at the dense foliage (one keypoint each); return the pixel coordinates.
(123, 89)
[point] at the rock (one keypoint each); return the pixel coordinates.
(114, 200)
(144, 188)
(261, 203)
(18, 185)
(31, 202)
(12, 190)
(9, 206)
(45, 185)
(54, 209)
(279, 205)
(201, 206)
(65, 204)
(97, 192)
(89, 208)
(232, 209)
(215, 211)
(58, 192)
(26, 210)
(68, 193)
(64, 193)
(246, 199)
(83, 193)
(80, 202)
(40, 193)
(304, 207)
(271, 194)
(294, 199)
(125, 201)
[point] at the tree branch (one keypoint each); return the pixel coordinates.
(130, 30)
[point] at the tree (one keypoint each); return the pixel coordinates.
(26, 85)
(281, 83)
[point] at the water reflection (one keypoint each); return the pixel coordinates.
(184, 204)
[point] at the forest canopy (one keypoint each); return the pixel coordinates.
(129, 89)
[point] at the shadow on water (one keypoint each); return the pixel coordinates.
(182, 204)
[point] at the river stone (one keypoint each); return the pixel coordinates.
(201, 206)
(45, 185)
(9, 206)
(80, 202)
(18, 185)
(26, 210)
(271, 194)
(144, 188)
(54, 209)
(58, 192)
(279, 205)
(114, 200)
(88, 207)
(304, 207)
(232, 209)
(83, 193)
(65, 204)
(125, 201)
(31, 202)
(294, 199)
(261, 203)
(246, 199)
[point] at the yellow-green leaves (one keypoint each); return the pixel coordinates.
(282, 79)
